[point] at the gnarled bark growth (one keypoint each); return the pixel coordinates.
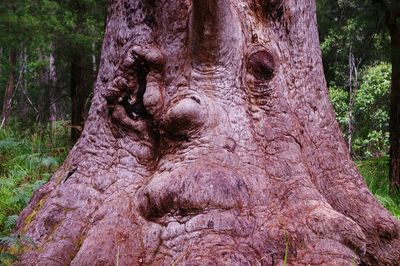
(210, 140)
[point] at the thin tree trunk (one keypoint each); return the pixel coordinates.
(44, 84)
(395, 106)
(1, 61)
(353, 83)
(94, 62)
(53, 88)
(351, 101)
(9, 91)
(24, 109)
(81, 80)
(25, 104)
(80, 92)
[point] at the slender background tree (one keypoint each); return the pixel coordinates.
(368, 32)
(52, 50)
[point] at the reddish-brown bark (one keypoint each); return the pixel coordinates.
(210, 141)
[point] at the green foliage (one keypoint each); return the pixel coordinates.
(358, 28)
(7, 258)
(346, 25)
(27, 161)
(38, 22)
(14, 242)
(285, 258)
(36, 29)
(371, 111)
(373, 94)
(339, 99)
(376, 174)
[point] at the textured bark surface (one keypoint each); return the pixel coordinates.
(210, 141)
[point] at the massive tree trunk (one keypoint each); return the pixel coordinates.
(210, 140)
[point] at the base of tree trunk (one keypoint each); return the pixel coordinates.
(210, 141)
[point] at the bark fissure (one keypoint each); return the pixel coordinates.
(70, 173)
(133, 105)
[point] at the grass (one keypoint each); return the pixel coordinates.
(286, 249)
(375, 172)
(27, 160)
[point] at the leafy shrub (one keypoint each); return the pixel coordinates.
(15, 242)
(371, 111)
(340, 101)
(26, 162)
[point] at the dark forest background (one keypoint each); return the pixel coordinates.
(49, 57)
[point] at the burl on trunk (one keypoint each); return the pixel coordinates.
(210, 141)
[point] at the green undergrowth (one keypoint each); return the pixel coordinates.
(27, 160)
(375, 172)
(28, 157)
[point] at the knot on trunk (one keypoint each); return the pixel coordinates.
(262, 65)
(271, 9)
(216, 35)
(136, 91)
(186, 116)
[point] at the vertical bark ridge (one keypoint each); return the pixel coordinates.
(215, 35)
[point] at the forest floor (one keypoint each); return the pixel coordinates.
(28, 159)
